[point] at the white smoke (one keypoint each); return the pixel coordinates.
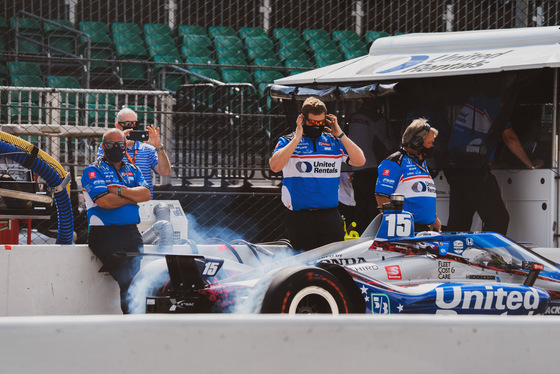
(152, 275)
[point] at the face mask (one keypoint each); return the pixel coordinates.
(427, 152)
(115, 154)
(313, 131)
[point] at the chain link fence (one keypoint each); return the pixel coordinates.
(200, 70)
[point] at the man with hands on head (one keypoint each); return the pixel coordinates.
(112, 190)
(310, 159)
(148, 155)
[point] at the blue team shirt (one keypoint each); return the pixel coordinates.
(404, 174)
(473, 123)
(95, 182)
(312, 175)
(142, 155)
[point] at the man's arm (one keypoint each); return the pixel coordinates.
(281, 157)
(163, 166)
(380, 201)
(355, 153)
(512, 141)
(129, 195)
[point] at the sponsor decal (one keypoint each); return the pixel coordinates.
(393, 272)
(92, 175)
(324, 167)
(344, 261)
(419, 187)
(469, 242)
(386, 172)
(414, 60)
(366, 268)
(487, 299)
(552, 310)
(325, 144)
(457, 244)
(304, 167)
(380, 303)
(482, 277)
(445, 269)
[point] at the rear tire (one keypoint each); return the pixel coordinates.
(305, 290)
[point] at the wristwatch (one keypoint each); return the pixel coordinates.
(160, 148)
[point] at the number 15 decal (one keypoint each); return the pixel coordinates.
(398, 225)
(210, 268)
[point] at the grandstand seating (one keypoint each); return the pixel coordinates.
(69, 102)
(101, 49)
(294, 66)
(27, 28)
(25, 107)
(214, 31)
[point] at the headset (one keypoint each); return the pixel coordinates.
(418, 141)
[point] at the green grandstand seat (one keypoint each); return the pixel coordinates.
(157, 29)
(228, 42)
(290, 54)
(164, 50)
(125, 28)
(228, 52)
(266, 76)
(3, 74)
(126, 37)
(348, 55)
(132, 73)
(352, 46)
(197, 60)
(29, 28)
(214, 31)
(245, 32)
(101, 110)
(184, 30)
(372, 36)
(293, 43)
(258, 42)
(69, 102)
(285, 33)
(195, 51)
(315, 34)
(260, 52)
(167, 78)
(326, 62)
(24, 68)
(101, 44)
(231, 61)
(318, 44)
(197, 40)
(296, 66)
(24, 106)
(327, 54)
(341, 35)
(204, 71)
(268, 61)
(59, 38)
(236, 76)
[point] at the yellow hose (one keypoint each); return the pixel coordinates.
(28, 147)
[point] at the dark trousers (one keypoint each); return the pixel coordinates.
(106, 240)
(309, 229)
(363, 184)
(473, 191)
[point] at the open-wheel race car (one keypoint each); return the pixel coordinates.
(389, 270)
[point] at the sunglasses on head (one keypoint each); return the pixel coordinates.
(111, 145)
(129, 123)
(313, 122)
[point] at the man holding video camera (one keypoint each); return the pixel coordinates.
(143, 148)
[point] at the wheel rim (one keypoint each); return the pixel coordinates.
(313, 300)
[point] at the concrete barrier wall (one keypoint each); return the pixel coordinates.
(277, 344)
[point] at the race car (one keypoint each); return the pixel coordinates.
(389, 270)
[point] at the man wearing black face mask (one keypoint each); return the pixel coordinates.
(310, 160)
(112, 190)
(405, 172)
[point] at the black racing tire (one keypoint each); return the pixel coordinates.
(305, 290)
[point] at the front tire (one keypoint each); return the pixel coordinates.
(305, 290)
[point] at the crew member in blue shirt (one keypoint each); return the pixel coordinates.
(112, 190)
(149, 155)
(310, 159)
(406, 173)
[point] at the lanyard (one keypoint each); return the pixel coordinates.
(132, 160)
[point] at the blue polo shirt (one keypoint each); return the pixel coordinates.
(405, 175)
(95, 182)
(312, 175)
